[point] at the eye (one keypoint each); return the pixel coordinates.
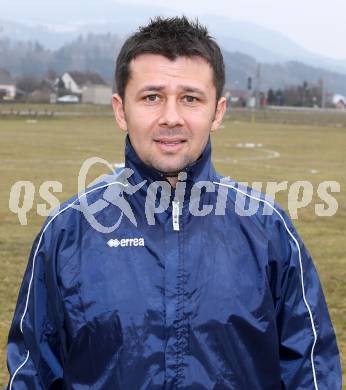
(151, 98)
(190, 99)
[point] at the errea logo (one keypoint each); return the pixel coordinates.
(114, 243)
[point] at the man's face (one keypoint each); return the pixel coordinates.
(169, 110)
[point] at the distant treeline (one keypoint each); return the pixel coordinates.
(97, 53)
(89, 53)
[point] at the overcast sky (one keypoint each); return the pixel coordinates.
(318, 25)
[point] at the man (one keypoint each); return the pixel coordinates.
(187, 292)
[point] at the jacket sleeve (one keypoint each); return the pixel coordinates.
(35, 339)
(309, 356)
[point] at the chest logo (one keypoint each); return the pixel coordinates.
(114, 242)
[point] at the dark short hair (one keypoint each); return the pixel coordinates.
(171, 38)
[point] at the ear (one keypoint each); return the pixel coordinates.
(219, 113)
(119, 112)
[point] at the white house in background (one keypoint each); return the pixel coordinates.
(7, 86)
(97, 94)
(339, 101)
(88, 86)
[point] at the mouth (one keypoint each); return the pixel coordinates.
(170, 144)
(168, 141)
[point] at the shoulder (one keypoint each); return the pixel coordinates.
(91, 201)
(254, 210)
(263, 222)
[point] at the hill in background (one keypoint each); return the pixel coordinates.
(97, 53)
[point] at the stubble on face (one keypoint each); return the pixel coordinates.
(169, 111)
(169, 163)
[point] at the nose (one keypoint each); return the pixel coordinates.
(171, 115)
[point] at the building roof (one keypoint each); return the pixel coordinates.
(83, 78)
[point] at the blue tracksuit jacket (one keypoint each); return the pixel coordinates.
(205, 286)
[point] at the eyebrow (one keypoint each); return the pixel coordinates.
(185, 88)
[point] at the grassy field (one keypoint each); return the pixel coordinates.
(54, 149)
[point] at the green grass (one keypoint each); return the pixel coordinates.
(54, 149)
(84, 108)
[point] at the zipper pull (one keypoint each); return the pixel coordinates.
(175, 205)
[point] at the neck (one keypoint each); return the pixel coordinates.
(172, 180)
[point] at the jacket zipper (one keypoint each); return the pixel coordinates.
(175, 205)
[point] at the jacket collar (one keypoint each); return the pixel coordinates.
(201, 169)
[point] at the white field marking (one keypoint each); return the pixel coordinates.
(34, 259)
(249, 145)
(268, 153)
(301, 270)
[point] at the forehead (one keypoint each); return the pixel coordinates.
(157, 69)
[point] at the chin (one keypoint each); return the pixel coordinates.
(170, 168)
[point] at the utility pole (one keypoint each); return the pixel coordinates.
(258, 86)
(250, 100)
(323, 94)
